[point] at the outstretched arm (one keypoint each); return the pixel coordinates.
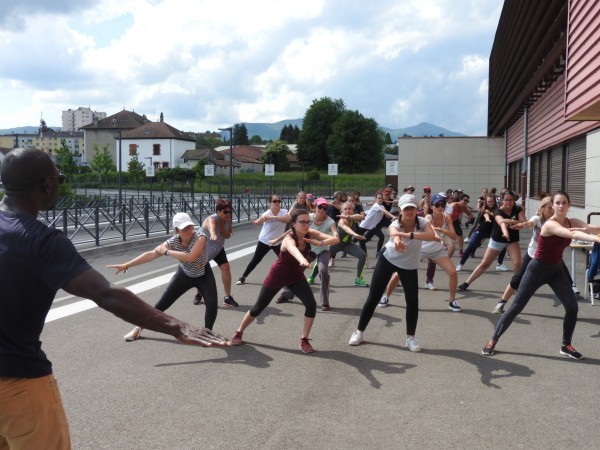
(142, 259)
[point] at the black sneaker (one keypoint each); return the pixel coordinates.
(488, 350)
(198, 299)
(229, 301)
(463, 287)
(570, 352)
(241, 281)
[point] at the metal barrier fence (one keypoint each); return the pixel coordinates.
(102, 220)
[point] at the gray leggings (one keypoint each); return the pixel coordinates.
(537, 274)
(351, 249)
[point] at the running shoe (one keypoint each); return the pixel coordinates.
(460, 253)
(229, 301)
(570, 352)
(356, 338)
(198, 299)
(412, 344)
(458, 267)
(384, 301)
(305, 346)
(242, 280)
(488, 350)
(310, 280)
(501, 268)
(331, 263)
(237, 338)
(430, 286)
(360, 282)
(282, 299)
(463, 287)
(454, 306)
(325, 308)
(499, 309)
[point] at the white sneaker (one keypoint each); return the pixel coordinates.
(430, 286)
(331, 263)
(466, 239)
(133, 335)
(384, 301)
(356, 338)
(501, 268)
(412, 344)
(458, 267)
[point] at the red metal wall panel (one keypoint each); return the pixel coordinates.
(547, 125)
(582, 86)
(514, 141)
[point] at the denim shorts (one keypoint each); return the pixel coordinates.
(498, 246)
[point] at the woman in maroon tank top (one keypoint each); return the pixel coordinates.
(288, 270)
(545, 268)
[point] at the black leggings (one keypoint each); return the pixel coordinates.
(259, 254)
(181, 283)
(368, 235)
(515, 281)
(537, 274)
(381, 276)
(300, 289)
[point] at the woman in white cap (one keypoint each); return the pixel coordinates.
(402, 255)
(187, 246)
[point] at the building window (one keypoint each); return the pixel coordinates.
(133, 149)
(156, 149)
(514, 177)
(165, 165)
(575, 173)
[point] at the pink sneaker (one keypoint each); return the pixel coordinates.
(237, 338)
(305, 346)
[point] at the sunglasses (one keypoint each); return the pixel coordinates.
(304, 223)
(440, 205)
(60, 177)
(275, 201)
(427, 191)
(226, 211)
(322, 207)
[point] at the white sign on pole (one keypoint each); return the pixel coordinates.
(332, 169)
(150, 170)
(270, 170)
(391, 168)
(209, 170)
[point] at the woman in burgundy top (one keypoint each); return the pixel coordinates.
(555, 236)
(288, 270)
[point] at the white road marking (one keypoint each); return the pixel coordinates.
(83, 305)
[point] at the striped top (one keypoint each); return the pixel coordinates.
(192, 269)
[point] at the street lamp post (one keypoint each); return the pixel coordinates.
(230, 129)
(303, 164)
(115, 123)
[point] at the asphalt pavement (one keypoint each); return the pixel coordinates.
(157, 394)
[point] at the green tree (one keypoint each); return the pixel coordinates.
(240, 134)
(357, 143)
(65, 161)
(256, 140)
(318, 125)
(388, 139)
(102, 162)
(136, 169)
(208, 141)
(276, 152)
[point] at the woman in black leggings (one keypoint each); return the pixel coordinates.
(546, 268)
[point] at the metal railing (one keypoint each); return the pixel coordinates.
(102, 220)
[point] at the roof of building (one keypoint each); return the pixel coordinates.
(123, 120)
(157, 130)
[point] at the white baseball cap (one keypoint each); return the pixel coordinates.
(182, 220)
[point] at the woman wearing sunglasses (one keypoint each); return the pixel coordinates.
(187, 246)
(218, 227)
(273, 222)
(288, 270)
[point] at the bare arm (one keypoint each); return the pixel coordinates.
(289, 245)
(129, 307)
(190, 256)
(142, 259)
(319, 239)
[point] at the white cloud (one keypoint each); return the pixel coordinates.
(207, 64)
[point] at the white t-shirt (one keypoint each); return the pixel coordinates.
(411, 256)
(537, 228)
(373, 217)
(272, 228)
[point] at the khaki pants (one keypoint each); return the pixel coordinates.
(32, 415)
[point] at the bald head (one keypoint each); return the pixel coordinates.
(25, 167)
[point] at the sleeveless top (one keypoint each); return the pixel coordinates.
(192, 269)
(214, 247)
(550, 249)
(286, 270)
(411, 256)
(434, 246)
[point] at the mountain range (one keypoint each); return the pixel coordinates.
(268, 131)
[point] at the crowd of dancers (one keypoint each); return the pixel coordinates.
(315, 231)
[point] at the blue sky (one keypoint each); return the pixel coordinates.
(209, 64)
